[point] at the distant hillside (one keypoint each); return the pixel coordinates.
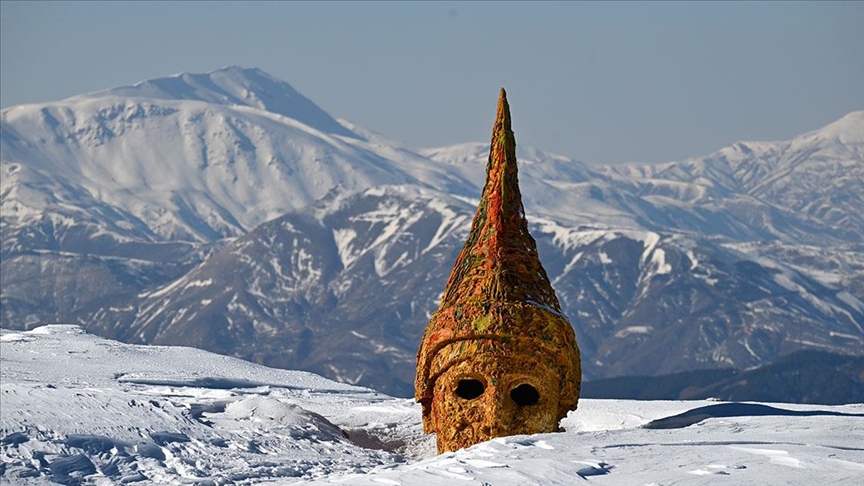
(803, 377)
(226, 211)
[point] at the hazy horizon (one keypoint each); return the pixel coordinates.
(602, 83)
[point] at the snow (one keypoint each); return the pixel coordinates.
(200, 283)
(450, 222)
(650, 243)
(344, 238)
(850, 300)
(226, 161)
(633, 330)
(81, 409)
(849, 129)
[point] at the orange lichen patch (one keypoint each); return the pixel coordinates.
(499, 321)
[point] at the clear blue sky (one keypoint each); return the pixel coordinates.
(599, 82)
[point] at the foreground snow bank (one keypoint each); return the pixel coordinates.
(80, 409)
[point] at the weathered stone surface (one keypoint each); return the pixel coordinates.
(498, 356)
(491, 396)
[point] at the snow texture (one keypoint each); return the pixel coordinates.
(78, 409)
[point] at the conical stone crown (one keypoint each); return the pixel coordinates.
(499, 260)
(498, 300)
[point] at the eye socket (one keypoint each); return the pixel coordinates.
(469, 389)
(525, 395)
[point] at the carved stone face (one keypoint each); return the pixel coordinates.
(493, 396)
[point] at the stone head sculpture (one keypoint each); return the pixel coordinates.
(498, 357)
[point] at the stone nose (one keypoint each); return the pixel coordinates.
(498, 418)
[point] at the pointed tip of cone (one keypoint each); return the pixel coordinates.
(503, 118)
(499, 261)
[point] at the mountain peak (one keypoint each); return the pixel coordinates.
(849, 129)
(236, 85)
(502, 121)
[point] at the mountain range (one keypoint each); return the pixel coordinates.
(226, 211)
(806, 376)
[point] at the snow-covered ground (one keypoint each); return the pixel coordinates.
(76, 409)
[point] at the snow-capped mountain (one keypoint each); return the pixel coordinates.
(226, 211)
(342, 295)
(817, 177)
(186, 158)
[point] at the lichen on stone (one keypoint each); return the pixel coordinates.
(499, 328)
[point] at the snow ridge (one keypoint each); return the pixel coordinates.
(78, 409)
